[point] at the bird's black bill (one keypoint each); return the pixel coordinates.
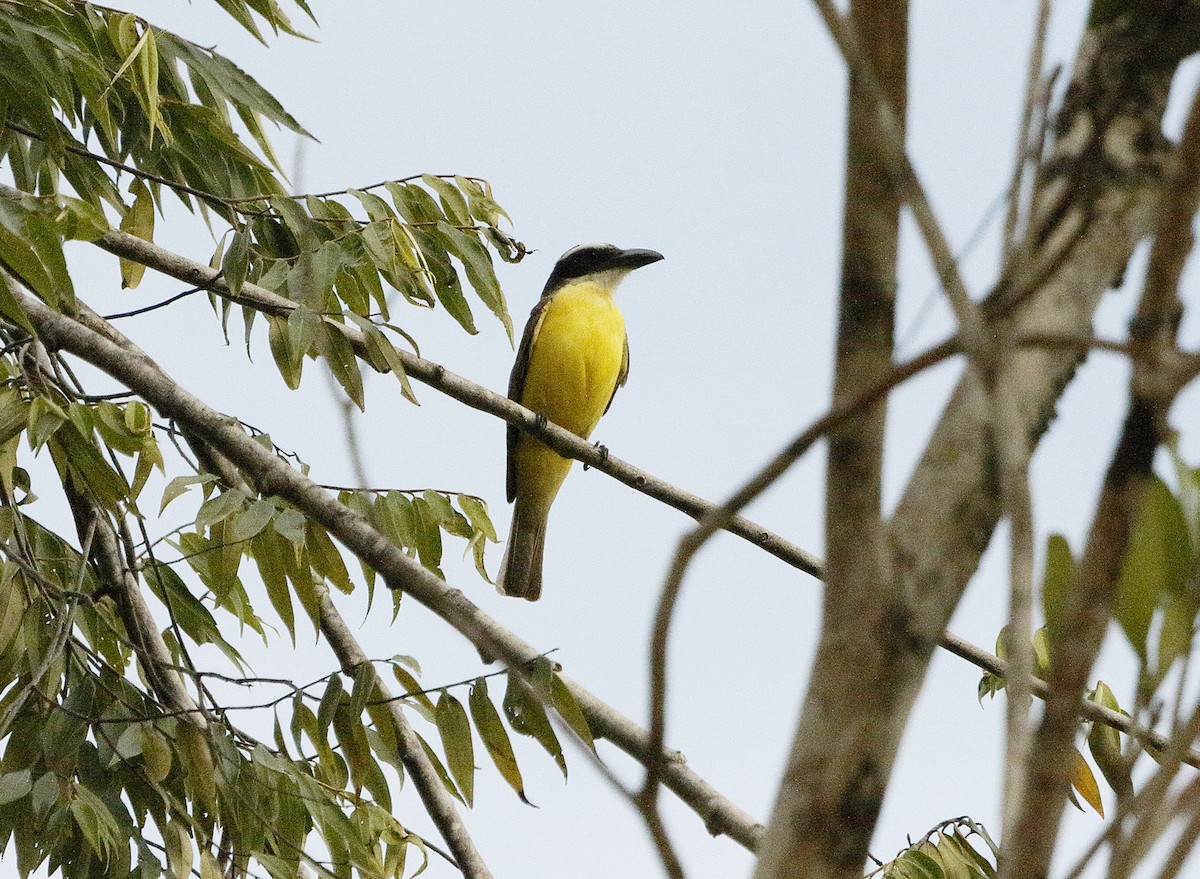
(635, 258)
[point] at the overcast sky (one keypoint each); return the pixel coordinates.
(714, 134)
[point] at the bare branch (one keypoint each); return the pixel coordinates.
(1086, 615)
(888, 135)
(1027, 155)
(1084, 228)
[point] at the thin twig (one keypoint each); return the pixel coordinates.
(890, 145)
(155, 306)
(712, 522)
(1025, 156)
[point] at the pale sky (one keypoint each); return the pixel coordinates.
(714, 134)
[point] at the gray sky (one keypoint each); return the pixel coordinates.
(712, 133)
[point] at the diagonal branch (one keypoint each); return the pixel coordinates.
(476, 396)
(616, 728)
(273, 476)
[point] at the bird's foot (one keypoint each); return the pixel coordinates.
(603, 450)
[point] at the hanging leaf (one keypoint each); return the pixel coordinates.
(138, 221)
(1104, 742)
(1083, 781)
(495, 737)
(459, 747)
(1057, 580)
(527, 716)
(1157, 562)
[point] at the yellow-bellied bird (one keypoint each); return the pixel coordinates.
(573, 356)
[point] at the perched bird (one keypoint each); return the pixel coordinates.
(573, 356)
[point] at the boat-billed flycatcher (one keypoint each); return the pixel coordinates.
(573, 356)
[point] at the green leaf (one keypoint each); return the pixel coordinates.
(291, 524)
(363, 689)
(352, 737)
(310, 278)
(18, 256)
(332, 698)
(527, 716)
(392, 514)
(439, 768)
(339, 355)
(476, 510)
(136, 416)
(274, 558)
(156, 755)
(448, 519)
(218, 508)
(495, 737)
(1057, 580)
(236, 262)
(483, 206)
(129, 744)
(1105, 744)
(192, 616)
(326, 559)
(454, 205)
(1157, 562)
(179, 850)
(478, 265)
(181, 484)
(428, 535)
(15, 785)
(423, 703)
(1177, 632)
(96, 822)
(568, 709)
(254, 520)
(77, 454)
(14, 413)
(138, 221)
(377, 209)
(288, 361)
(455, 731)
(383, 356)
(225, 78)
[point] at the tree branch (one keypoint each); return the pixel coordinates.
(1088, 607)
(1085, 226)
(438, 802)
(879, 179)
(434, 375)
(273, 476)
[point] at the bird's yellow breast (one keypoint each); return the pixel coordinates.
(575, 358)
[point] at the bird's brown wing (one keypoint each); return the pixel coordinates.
(622, 376)
(516, 387)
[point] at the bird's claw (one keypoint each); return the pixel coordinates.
(603, 450)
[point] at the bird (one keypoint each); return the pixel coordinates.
(573, 356)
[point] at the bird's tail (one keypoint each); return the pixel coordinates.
(521, 567)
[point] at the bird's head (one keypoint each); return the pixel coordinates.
(603, 264)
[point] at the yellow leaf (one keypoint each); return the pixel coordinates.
(1084, 783)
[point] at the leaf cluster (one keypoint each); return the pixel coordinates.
(946, 852)
(75, 76)
(1156, 607)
